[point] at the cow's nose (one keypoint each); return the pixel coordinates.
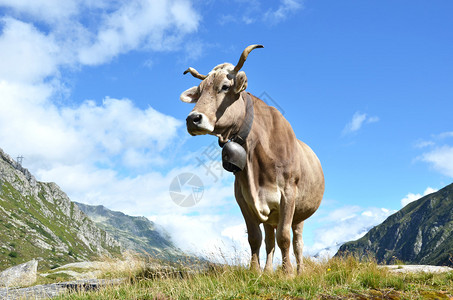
(194, 119)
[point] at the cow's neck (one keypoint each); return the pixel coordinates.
(244, 130)
(240, 134)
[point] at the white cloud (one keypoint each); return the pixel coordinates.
(30, 124)
(435, 139)
(208, 235)
(32, 55)
(253, 11)
(424, 144)
(441, 159)
(89, 32)
(156, 25)
(414, 197)
(438, 152)
(445, 135)
(117, 126)
(341, 225)
(26, 54)
(237, 232)
(358, 120)
(285, 8)
(372, 119)
(48, 11)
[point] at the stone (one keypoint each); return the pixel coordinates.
(417, 268)
(20, 275)
(46, 291)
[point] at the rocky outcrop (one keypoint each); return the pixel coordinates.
(21, 275)
(38, 220)
(420, 233)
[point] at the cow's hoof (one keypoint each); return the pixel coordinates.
(288, 271)
(255, 268)
(300, 270)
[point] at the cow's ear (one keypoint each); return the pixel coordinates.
(240, 83)
(191, 95)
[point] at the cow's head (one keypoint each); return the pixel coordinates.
(217, 110)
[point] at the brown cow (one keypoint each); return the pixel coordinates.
(282, 182)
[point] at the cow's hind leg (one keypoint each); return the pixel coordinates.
(269, 239)
(284, 229)
(298, 245)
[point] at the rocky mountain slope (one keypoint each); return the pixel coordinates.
(134, 233)
(420, 233)
(38, 221)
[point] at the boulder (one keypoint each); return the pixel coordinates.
(20, 275)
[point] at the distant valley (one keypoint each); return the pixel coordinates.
(137, 234)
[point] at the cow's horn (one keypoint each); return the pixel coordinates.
(195, 73)
(244, 55)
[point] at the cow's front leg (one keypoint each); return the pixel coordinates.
(255, 238)
(284, 230)
(269, 240)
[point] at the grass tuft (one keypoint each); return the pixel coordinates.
(336, 278)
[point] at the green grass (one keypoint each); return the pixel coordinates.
(345, 278)
(59, 277)
(12, 254)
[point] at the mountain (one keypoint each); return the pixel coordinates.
(134, 233)
(38, 220)
(420, 233)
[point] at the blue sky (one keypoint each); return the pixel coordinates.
(90, 97)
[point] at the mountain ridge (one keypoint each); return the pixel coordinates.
(138, 234)
(419, 233)
(38, 220)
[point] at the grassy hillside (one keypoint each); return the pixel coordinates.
(38, 221)
(420, 233)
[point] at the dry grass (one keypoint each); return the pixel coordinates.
(130, 264)
(337, 278)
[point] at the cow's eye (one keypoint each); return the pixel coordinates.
(225, 87)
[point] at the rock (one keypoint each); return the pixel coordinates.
(20, 275)
(80, 270)
(417, 268)
(46, 291)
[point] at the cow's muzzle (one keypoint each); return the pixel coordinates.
(198, 123)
